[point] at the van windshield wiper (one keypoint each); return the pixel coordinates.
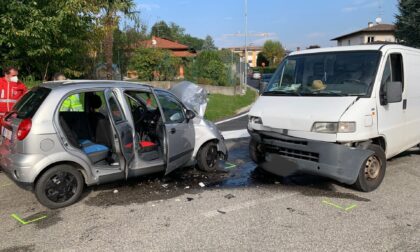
(324, 93)
(281, 92)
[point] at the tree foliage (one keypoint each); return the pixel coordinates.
(408, 23)
(154, 64)
(175, 32)
(109, 11)
(208, 44)
(208, 68)
(45, 36)
(273, 51)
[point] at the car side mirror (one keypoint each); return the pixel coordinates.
(392, 93)
(189, 114)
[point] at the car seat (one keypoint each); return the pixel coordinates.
(95, 152)
(100, 126)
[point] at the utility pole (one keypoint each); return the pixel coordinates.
(246, 48)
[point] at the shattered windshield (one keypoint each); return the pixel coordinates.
(326, 74)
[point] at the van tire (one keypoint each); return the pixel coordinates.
(372, 171)
(59, 186)
(256, 155)
(207, 151)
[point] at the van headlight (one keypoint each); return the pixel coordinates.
(334, 127)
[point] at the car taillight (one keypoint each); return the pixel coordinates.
(23, 129)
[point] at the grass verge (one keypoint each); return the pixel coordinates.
(224, 106)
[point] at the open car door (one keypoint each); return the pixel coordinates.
(179, 131)
(124, 132)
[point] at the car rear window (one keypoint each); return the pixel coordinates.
(27, 106)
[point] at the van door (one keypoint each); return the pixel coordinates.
(391, 117)
(179, 132)
(123, 138)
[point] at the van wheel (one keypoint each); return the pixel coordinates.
(207, 157)
(59, 186)
(256, 155)
(372, 171)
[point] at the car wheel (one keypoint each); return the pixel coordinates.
(60, 186)
(372, 171)
(256, 155)
(207, 157)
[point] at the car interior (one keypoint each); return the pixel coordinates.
(86, 125)
(85, 121)
(148, 124)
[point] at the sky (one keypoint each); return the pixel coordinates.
(295, 23)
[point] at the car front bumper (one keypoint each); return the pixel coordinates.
(285, 155)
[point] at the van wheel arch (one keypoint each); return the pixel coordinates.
(381, 142)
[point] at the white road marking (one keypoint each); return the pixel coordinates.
(246, 204)
(233, 134)
(231, 119)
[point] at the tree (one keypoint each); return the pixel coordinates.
(262, 59)
(110, 10)
(208, 68)
(273, 51)
(41, 37)
(408, 23)
(208, 44)
(154, 63)
(161, 30)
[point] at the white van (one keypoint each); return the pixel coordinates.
(338, 112)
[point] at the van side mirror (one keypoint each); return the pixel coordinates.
(391, 93)
(189, 114)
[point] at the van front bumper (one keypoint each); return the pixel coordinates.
(285, 155)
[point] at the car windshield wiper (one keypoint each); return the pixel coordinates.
(281, 92)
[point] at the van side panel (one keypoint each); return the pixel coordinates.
(411, 136)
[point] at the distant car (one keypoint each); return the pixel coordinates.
(61, 136)
(265, 79)
(256, 76)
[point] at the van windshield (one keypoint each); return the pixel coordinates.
(27, 106)
(326, 74)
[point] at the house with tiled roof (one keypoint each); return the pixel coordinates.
(177, 49)
(373, 34)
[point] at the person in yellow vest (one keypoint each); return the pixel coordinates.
(71, 103)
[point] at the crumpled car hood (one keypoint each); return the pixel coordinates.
(192, 95)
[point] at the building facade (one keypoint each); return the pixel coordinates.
(373, 34)
(253, 52)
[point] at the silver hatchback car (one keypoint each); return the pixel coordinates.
(62, 136)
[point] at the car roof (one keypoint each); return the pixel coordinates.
(69, 85)
(374, 47)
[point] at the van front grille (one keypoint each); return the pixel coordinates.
(300, 142)
(288, 152)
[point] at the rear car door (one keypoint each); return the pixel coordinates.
(180, 135)
(124, 132)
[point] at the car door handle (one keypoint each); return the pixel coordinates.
(173, 130)
(405, 104)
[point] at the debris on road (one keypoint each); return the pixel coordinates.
(190, 199)
(229, 196)
(115, 191)
(220, 211)
(165, 185)
(201, 184)
(187, 187)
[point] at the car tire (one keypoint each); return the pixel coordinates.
(59, 186)
(207, 157)
(372, 171)
(256, 155)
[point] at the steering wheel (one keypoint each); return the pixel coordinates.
(141, 112)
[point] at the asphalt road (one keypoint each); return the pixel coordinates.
(241, 208)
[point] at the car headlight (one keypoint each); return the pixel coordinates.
(255, 119)
(334, 127)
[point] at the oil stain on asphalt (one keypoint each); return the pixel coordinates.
(185, 183)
